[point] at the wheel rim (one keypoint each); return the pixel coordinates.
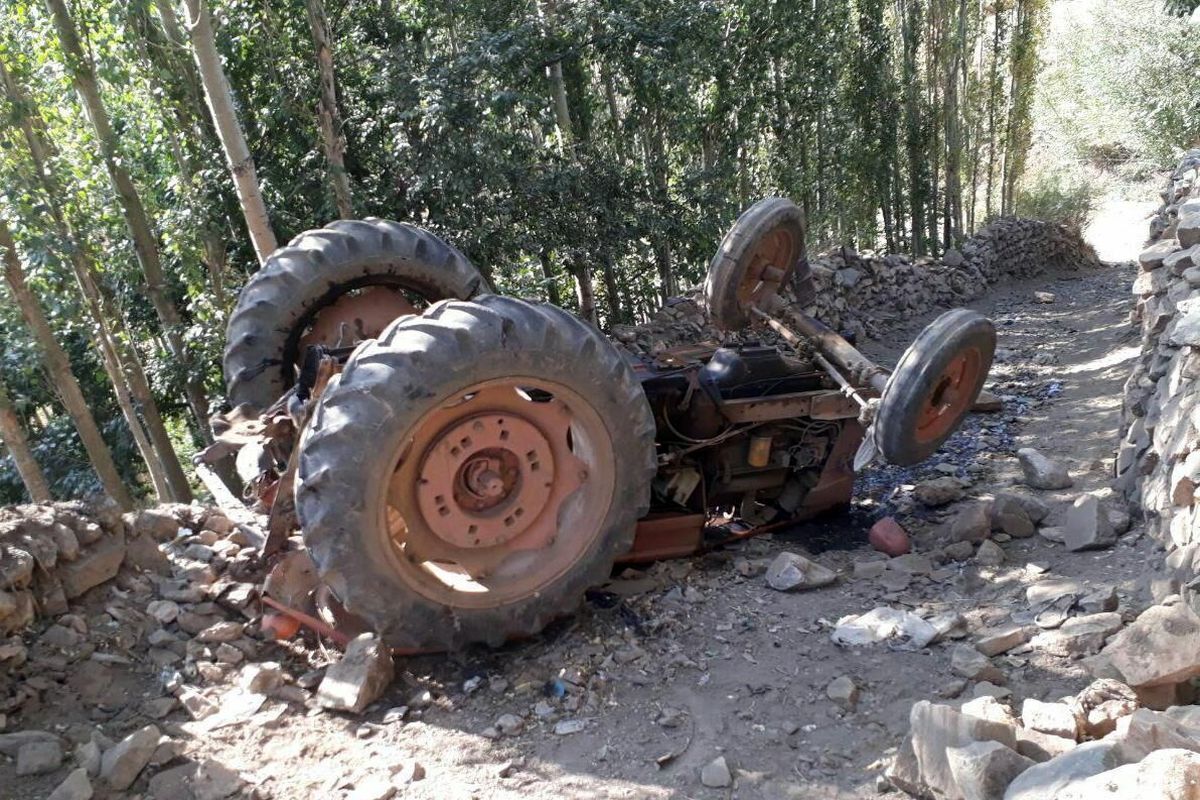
(355, 316)
(767, 267)
(497, 492)
(950, 397)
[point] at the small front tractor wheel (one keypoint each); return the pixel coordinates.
(934, 386)
(755, 260)
(339, 284)
(473, 470)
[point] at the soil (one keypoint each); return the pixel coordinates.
(669, 667)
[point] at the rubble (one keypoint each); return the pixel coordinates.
(359, 678)
(983, 770)
(1161, 646)
(716, 774)
(1056, 719)
(791, 572)
(76, 786)
(1042, 472)
(1087, 526)
(121, 763)
(971, 664)
(939, 491)
(1079, 635)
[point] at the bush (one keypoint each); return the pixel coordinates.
(1071, 202)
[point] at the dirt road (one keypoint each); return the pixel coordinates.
(667, 669)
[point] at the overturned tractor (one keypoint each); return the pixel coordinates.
(463, 466)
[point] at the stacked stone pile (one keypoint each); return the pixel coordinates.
(1174, 194)
(863, 293)
(1158, 460)
(1097, 743)
(50, 554)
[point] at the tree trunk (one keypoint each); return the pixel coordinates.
(59, 367)
(229, 131)
(145, 244)
(13, 432)
(558, 87)
(612, 295)
(332, 135)
(164, 50)
(584, 294)
(548, 279)
(170, 482)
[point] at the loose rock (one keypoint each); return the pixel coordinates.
(123, 761)
(1056, 719)
(75, 787)
(790, 572)
(716, 774)
(1041, 472)
(1087, 526)
(359, 678)
(843, 691)
(983, 770)
(36, 758)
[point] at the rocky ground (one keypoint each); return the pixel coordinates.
(693, 678)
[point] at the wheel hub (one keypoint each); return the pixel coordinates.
(485, 478)
(770, 264)
(945, 403)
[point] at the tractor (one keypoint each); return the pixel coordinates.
(463, 466)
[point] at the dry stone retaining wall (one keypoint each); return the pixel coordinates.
(864, 293)
(53, 553)
(1158, 460)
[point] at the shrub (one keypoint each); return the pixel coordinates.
(1071, 202)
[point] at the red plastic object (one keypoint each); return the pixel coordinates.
(887, 536)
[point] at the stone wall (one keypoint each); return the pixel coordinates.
(864, 293)
(1158, 460)
(53, 553)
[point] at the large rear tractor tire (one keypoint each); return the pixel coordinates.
(339, 284)
(473, 471)
(934, 386)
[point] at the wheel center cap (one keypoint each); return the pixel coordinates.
(485, 480)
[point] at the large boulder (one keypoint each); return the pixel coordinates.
(1162, 646)
(938, 728)
(1048, 781)
(983, 770)
(1162, 775)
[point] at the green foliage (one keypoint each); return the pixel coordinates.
(1058, 199)
(893, 124)
(1122, 85)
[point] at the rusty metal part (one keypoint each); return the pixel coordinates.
(835, 486)
(355, 316)
(338, 637)
(863, 371)
(768, 266)
(822, 404)
(952, 390)
(282, 520)
(497, 491)
(662, 536)
(309, 621)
